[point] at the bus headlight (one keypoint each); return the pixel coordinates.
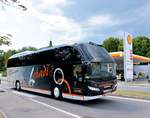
(93, 88)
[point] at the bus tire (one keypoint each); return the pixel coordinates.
(56, 92)
(18, 86)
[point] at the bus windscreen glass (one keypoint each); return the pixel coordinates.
(102, 69)
(96, 53)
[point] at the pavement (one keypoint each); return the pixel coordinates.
(3, 83)
(25, 104)
(20, 107)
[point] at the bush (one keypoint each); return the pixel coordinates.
(4, 73)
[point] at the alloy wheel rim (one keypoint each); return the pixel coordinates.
(18, 85)
(56, 92)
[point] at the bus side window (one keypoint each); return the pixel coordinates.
(58, 55)
(16, 62)
(67, 54)
(46, 57)
(21, 61)
(75, 55)
(10, 63)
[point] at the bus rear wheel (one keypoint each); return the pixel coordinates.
(56, 93)
(18, 86)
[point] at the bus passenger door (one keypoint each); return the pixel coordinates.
(78, 79)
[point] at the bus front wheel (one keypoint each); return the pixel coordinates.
(18, 86)
(56, 92)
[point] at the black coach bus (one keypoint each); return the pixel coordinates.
(82, 71)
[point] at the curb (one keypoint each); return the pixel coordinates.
(135, 84)
(127, 96)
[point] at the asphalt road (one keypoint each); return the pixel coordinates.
(31, 105)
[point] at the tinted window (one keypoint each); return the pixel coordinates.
(14, 62)
(96, 53)
(10, 63)
(67, 54)
(45, 57)
(58, 55)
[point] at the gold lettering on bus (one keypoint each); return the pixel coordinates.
(45, 72)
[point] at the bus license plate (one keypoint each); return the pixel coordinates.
(107, 87)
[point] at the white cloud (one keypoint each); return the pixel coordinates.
(60, 28)
(52, 24)
(59, 23)
(141, 14)
(9, 14)
(54, 3)
(100, 20)
(52, 6)
(3, 17)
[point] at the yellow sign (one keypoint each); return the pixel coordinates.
(129, 38)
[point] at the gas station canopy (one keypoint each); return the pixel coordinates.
(118, 56)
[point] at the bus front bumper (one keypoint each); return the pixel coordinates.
(81, 97)
(92, 93)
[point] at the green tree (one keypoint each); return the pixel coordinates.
(141, 46)
(120, 46)
(2, 65)
(30, 48)
(14, 3)
(5, 39)
(111, 44)
(7, 54)
(3, 59)
(148, 54)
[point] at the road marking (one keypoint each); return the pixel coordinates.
(57, 109)
(2, 89)
(24, 94)
(132, 99)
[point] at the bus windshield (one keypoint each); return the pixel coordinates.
(102, 69)
(95, 53)
(101, 63)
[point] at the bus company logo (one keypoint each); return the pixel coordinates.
(129, 39)
(40, 73)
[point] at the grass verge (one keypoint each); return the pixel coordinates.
(140, 84)
(132, 94)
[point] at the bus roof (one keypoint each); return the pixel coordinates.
(48, 48)
(21, 54)
(24, 53)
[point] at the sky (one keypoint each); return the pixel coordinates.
(70, 21)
